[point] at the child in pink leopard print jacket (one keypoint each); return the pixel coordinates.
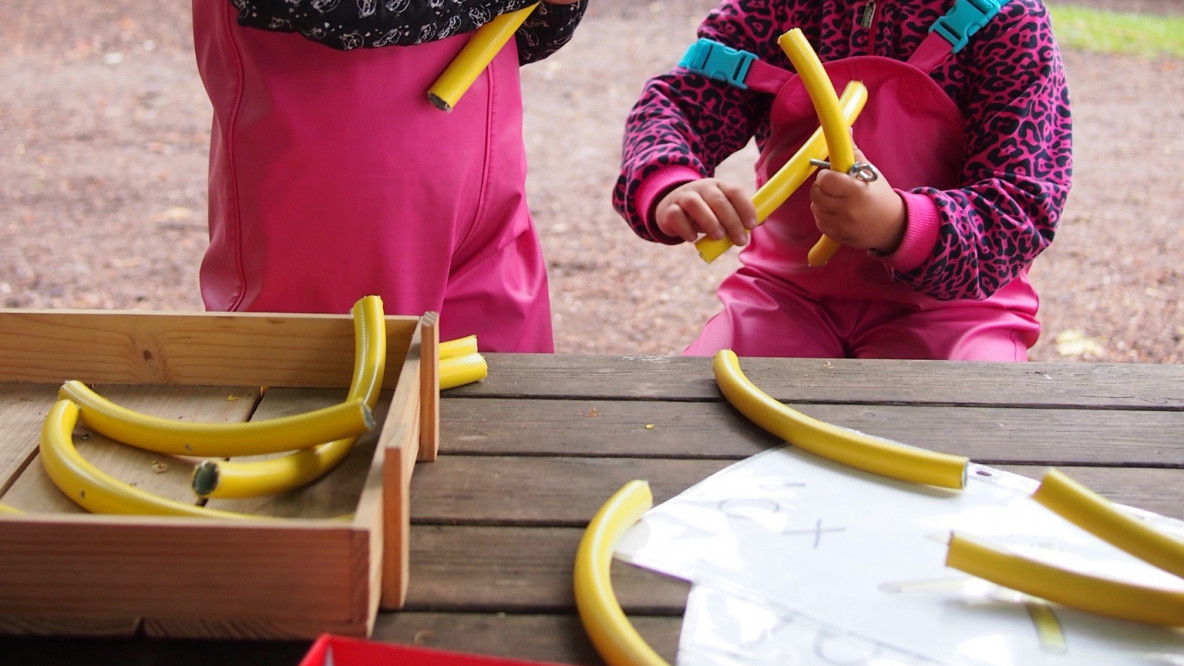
(968, 123)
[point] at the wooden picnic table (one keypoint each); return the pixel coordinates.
(529, 455)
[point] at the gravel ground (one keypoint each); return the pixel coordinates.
(105, 131)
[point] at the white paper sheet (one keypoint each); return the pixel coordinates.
(797, 560)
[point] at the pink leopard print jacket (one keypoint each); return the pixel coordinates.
(1008, 82)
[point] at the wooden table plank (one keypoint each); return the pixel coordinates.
(675, 378)
(991, 435)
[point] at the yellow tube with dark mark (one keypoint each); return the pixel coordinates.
(842, 445)
(1098, 516)
(782, 184)
(1126, 601)
(256, 478)
(614, 637)
(96, 491)
(476, 55)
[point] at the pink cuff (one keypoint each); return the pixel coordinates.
(920, 233)
(654, 187)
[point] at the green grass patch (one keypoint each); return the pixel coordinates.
(1118, 32)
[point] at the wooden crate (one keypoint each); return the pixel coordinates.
(339, 549)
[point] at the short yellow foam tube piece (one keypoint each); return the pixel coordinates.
(1125, 601)
(611, 633)
(1100, 517)
(476, 55)
(782, 184)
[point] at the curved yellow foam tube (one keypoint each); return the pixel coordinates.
(460, 370)
(476, 55)
(826, 105)
(458, 347)
(96, 491)
(793, 173)
(842, 445)
(1102, 596)
(1098, 516)
(615, 639)
(256, 478)
(187, 438)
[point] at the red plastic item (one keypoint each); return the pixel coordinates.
(329, 650)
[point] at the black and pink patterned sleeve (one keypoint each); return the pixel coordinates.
(1018, 170)
(353, 24)
(686, 120)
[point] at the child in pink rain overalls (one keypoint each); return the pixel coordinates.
(333, 177)
(967, 125)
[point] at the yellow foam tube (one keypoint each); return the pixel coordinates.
(458, 347)
(96, 491)
(614, 637)
(476, 55)
(256, 478)
(826, 105)
(1117, 599)
(460, 370)
(1098, 516)
(842, 445)
(782, 184)
(187, 438)
(5, 509)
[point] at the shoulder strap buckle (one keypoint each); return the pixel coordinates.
(964, 19)
(716, 61)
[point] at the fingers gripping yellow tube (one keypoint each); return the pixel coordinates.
(187, 438)
(1089, 593)
(615, 639)
(1098, 516)
(782, 184)
(255, 478)
(842, 445)
(94, 490)
(826, 105)
(476, 55)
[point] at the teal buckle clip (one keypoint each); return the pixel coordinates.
(716, 61)
(964, 19)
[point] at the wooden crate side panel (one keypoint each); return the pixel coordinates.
(400, 444)
(193, 348)
(185, 570)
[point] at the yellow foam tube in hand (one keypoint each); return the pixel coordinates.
(1117, 599)
(842, 445)
(476, 55)
(1098, 516)
(256, 478)
(187, 438)
(782, 184)
(610, 630)
(96, 491)
(826, 105)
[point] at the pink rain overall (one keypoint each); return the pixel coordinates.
(332, 177)
(777, 305)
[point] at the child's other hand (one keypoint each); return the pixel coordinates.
(859, 214)
(707, 206)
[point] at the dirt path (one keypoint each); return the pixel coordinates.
(105, 130)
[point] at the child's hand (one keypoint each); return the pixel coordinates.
(859, 214)
(707, 206)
